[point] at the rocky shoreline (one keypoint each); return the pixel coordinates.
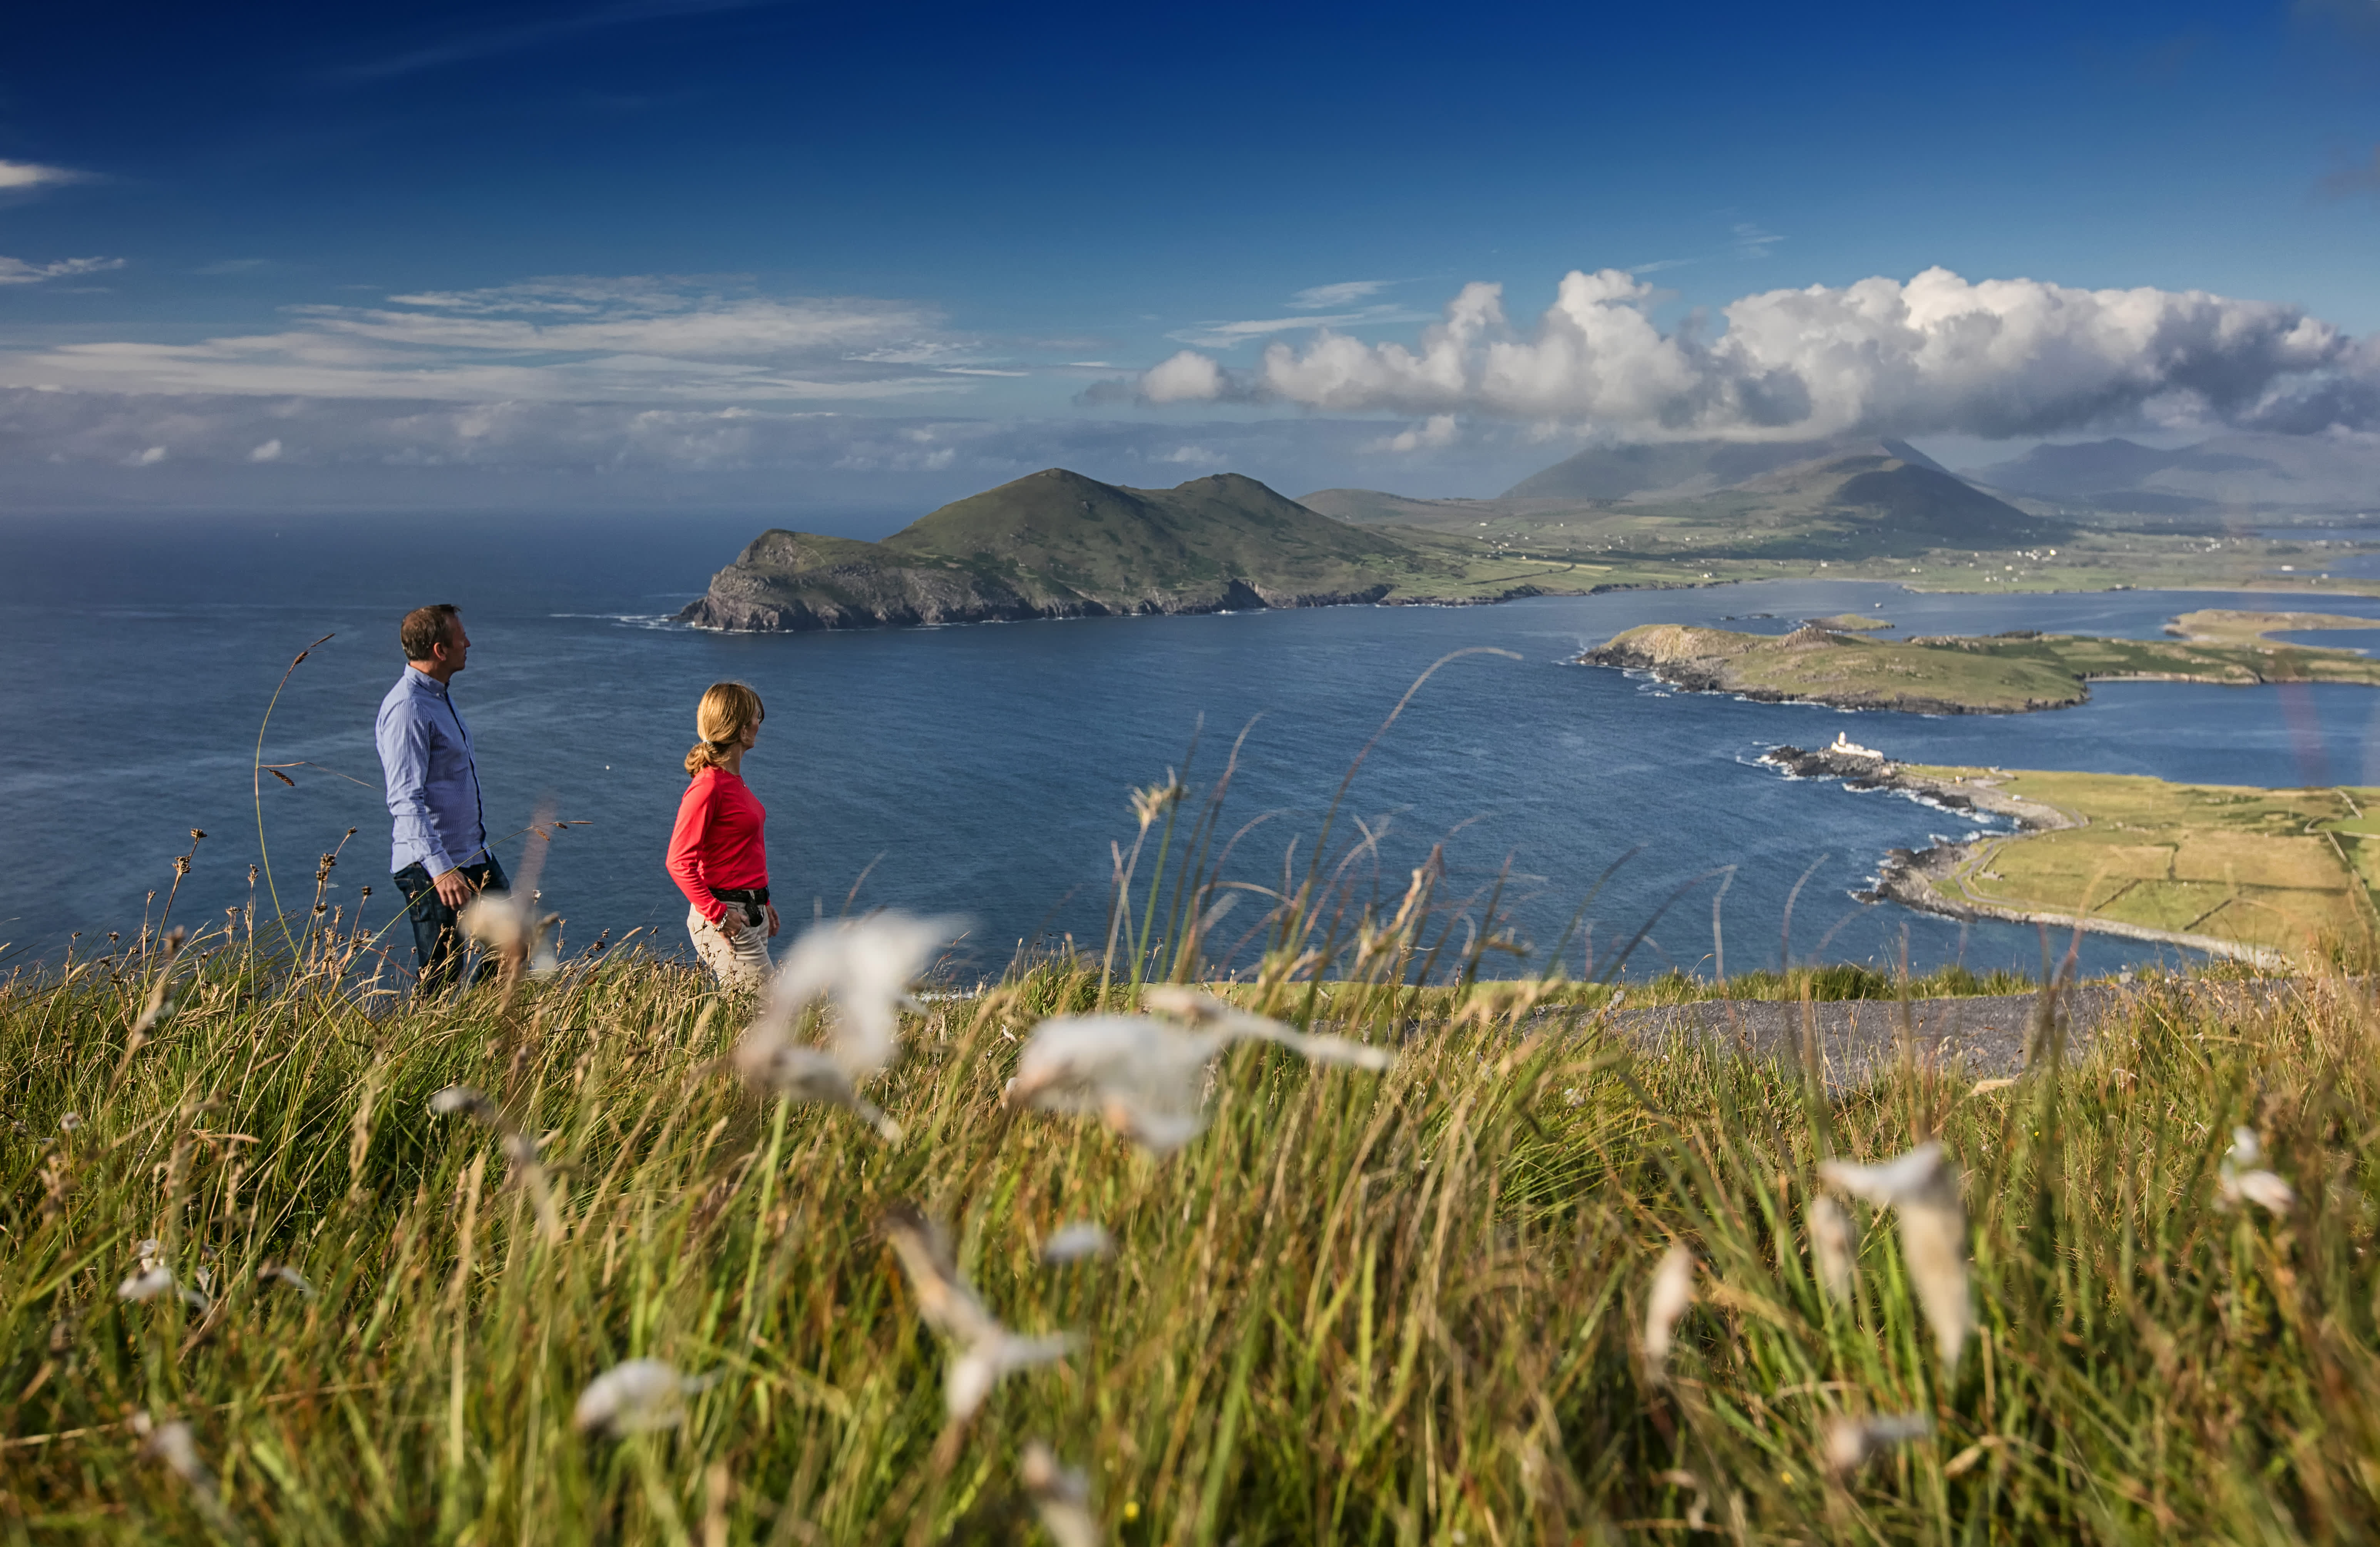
(913, 598)
(1907, 876)
(870, 596)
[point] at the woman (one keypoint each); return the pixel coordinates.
(716, 853)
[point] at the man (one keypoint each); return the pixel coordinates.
(441, 851)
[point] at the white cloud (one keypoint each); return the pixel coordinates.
(150, 457)
(269, 452)
(1193, 456)
(1751, 241)
(16, 271)
(1936, 354)
(1223, 335)
(1317, 302)
(1434, 433)
(638, 339)
(1188, 377)
(1347, 292)
(23, 176)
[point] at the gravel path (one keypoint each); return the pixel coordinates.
(1858, 1037)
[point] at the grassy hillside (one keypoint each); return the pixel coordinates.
(1400, 1308)
(1059, 536)
(1058, 544)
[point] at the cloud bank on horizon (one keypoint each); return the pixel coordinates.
(575, 339)
(1938, 353)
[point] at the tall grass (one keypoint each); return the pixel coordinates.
(1395, 1307)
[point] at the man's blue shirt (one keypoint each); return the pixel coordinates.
(433, 785)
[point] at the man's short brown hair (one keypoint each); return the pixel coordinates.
(425, 629)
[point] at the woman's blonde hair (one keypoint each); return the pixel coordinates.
(727, 710)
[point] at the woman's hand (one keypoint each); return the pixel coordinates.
(773, 918)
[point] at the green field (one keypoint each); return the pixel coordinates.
(2290, 871)
(1996, 674)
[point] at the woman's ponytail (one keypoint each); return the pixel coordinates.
(727, 710)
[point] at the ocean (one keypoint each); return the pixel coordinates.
(986, 770)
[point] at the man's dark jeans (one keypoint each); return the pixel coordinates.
(437, 951)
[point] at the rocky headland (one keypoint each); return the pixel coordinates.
(1916, 878)
(1058, 544)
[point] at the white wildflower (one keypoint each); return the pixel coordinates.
(986, 1350)
(865, 967)
(69, 1122)
(287, 1274)
(462, 1098)
(173, 1443)
(1852, 1442)
(2264, 1189)
(1073, 1242)
(147, 1284)
(510, 926)
(1664, 1307)
(1833, 1247)
(1061, 1494)
(1145, 1077)
(1922, 1188)
(633, 1398)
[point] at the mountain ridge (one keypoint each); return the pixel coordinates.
(1057, 543)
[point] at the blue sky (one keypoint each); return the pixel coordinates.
(862, 259)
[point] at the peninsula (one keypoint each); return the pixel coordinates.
(1826, 663)
(1059, 544)
(2260, 874)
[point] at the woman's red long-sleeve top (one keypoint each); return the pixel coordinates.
(718, 841)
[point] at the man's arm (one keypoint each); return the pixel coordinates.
(404, 740)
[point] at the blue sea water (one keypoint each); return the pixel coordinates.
(985, 770)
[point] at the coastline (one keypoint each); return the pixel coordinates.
(1908, 876)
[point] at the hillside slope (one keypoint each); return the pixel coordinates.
(1058, 544)
(2296, 474)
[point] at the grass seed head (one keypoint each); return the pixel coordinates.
(146, 1284)
(285, 1273)
(1851, 1442)
(1833, 1248)
(1061, 1494)
(631, 1398)
(173, 1443)
(948, 1304)
(1073, 1242)
(1922, 1188)
(465, 1100)
(2234, 1182)
(864, 966)
(1664, 1307)
(1146, 1075)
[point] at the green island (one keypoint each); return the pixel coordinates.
(1998, 673)
(1056, 543)
(2267, 875)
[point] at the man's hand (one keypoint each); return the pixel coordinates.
(773, 918)
(453, 888)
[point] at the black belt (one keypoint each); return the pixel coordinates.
(756, 897)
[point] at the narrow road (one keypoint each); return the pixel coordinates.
(1983, 1036)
